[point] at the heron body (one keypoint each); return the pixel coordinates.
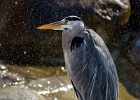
(88, 61)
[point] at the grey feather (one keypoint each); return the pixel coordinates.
(92, 69)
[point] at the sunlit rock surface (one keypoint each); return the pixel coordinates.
(18, 93)
(55, 85)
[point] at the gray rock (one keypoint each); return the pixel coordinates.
(2, 67)
(18, 93)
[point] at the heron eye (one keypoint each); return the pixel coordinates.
(66, 28)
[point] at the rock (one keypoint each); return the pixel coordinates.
(128, 62)
(14, 77)
(18, 93)
(117, 11)
(20, 41)
(2, 68)
(58, 87)
(54, 85)
(134, 51)
(123, 94)
(51, 84)
(8, 79)
(125, 49)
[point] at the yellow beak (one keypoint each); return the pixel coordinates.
(53, 26)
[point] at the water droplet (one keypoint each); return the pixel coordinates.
(39, 85)
(48, 82)
(16, 3)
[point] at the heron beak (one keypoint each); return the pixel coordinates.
(54, 26)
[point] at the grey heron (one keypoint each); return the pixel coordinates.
(88, 60)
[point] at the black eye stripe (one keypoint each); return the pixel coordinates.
(73, 18)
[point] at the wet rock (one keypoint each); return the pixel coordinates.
(9, 79)
(18, 93)
(123, 95)
(58, 87)
(134, 50)
(3, 70)
(2, 67)
(51, 84)
(126, 51)
(22, 44)
(118, 11)
(128, 62)
(14, 77)
(54, 85)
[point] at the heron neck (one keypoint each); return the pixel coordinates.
(66, 43)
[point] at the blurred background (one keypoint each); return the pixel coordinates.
(33, 58)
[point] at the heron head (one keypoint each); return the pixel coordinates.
(67, 23)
